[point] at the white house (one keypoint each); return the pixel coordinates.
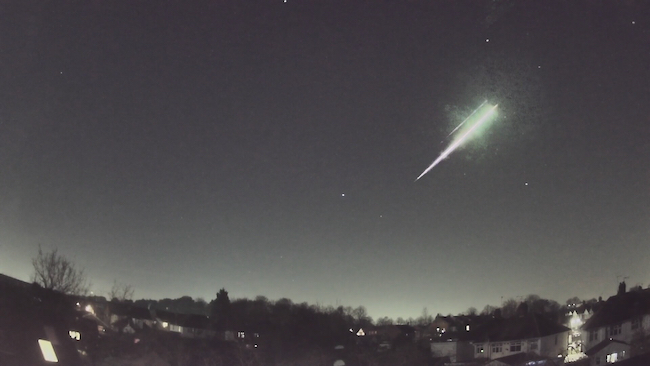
(610, 332)
(529, 336)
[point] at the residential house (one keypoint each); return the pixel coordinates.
(141, 317)
(129, 318)
(614, 328)
(450, 337)
(118, 313)
(195, 326)
(36, 325)
(442, 326)
(167, 321)
(524, 359)
(532, 334)
(608, 351)
(575, 317)
(640, 360)
(186, 325)
(386, 336)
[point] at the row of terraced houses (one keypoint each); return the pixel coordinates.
(613, 331)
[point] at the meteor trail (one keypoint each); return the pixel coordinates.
(460, 140)
(468, 117)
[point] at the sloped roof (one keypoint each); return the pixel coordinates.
(194, 321)
(520, 358)
(10, 281)
(29, 314)
(640, 360)
(117, 308)
(522, 327)
(620, 308)
(167, 316)
(599, 347)
(137, 312)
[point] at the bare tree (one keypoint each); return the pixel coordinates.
(425, 318)
(471, 311)
(573, 301)
(361, 317)
(509, 308)
(56, 272)
(488, 310)
(384, 321)
(121, 292)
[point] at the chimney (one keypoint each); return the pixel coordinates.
(621, 288)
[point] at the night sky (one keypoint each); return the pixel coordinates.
(271, 148)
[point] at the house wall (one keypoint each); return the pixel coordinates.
(626, 334)
(464, 352)
(622, 351)
(549, 346)
(508, 348)
(554, 344)
(444, 349)
(175, 328)
(589, 341)
(188, 332)
(457, 351)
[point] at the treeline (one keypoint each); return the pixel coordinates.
(289, 326)
(530, 304)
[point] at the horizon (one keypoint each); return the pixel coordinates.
(374, 318)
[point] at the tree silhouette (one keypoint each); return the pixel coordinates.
(56, 272)
(221, 310)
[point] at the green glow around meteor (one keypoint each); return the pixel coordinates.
(474, 125)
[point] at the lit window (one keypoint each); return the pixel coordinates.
(612, 357)
(74, 335)
(467, 328)
(515, 347)
(479, 348)
(48, 351)
(165, 324)
(497, 347)
(241, 335)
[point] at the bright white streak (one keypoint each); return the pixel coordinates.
(468, 117)
(457, 143)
